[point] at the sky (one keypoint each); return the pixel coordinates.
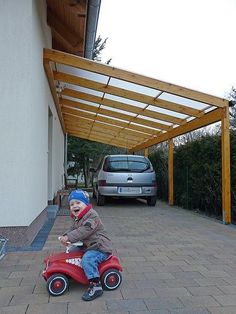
(191, 43)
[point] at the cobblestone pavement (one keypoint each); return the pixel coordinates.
(174, 261)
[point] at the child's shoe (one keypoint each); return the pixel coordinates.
(95, 290)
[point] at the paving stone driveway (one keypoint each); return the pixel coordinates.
(174, 261)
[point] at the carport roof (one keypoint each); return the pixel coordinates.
(101, 103)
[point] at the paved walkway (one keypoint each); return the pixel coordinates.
(174, 261)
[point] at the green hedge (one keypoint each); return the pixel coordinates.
(197, 174)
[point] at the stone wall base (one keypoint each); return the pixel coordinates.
(24, 235)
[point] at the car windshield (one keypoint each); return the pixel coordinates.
(126, 164)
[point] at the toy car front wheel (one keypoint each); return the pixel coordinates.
(57, 284)
(111, 279)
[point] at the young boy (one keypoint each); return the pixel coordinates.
(88, 228)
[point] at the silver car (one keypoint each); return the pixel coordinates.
(129, 176)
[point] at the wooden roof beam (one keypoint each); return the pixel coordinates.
(120, 134)
(49, 72)
(110, 128)
(105, 137)
(142, 80)
(126, 125)
(100, 140)
(62, 30)
(111, 134)
(208, 118)
(75, 80)
(122, 106)
(69, 103)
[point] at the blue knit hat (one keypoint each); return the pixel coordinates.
(79, 195)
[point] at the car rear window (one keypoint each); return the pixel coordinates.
(126, 164)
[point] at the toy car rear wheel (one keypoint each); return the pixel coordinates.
(111, 279)
(57, 284)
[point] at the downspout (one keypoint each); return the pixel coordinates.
(91, 27)
(65, 160)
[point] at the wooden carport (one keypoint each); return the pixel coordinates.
(113, 106)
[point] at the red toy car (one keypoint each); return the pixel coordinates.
(60, 267)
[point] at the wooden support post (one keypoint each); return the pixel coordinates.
(225, 155)
(171, 171)
(146, 152)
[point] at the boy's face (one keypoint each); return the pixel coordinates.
(76, 207)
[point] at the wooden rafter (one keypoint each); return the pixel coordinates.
(96, 138)
(123, 111)
(49, 71)
(62, 30)
(126, 125)
(208, 118)
(113, 133)
(68, 105)
(108, 128)
(100, 129)
(95, 67)
(122, 106)
(99, 108)
(68, 25)
(124, 93)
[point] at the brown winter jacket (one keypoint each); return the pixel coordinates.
(90, 230)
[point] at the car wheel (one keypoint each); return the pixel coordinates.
(57, 284)
(100, 199)
(151, 201)
(111, 279)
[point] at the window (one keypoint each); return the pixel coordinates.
(126, 164)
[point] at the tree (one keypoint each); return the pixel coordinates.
(232, 112)
(99, 45)
(84, 153)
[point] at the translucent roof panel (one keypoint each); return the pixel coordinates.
(154, 120)
(138, 102)
(81, 101)
(82, 73)
(78, 109)
(125, 100)
(134, 87)
(118, 111)
(85, 90)
(209, 109)
(182, 101)
(146, 127)
(168, 112)
(112, 118)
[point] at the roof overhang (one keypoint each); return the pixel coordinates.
(73, 25)
(105, 104)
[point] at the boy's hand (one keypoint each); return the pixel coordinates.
(64, 240)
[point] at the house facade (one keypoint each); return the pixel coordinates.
(32, 139)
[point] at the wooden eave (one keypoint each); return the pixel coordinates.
(67, 20)
(113, 106)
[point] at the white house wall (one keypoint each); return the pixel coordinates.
(25, 99)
